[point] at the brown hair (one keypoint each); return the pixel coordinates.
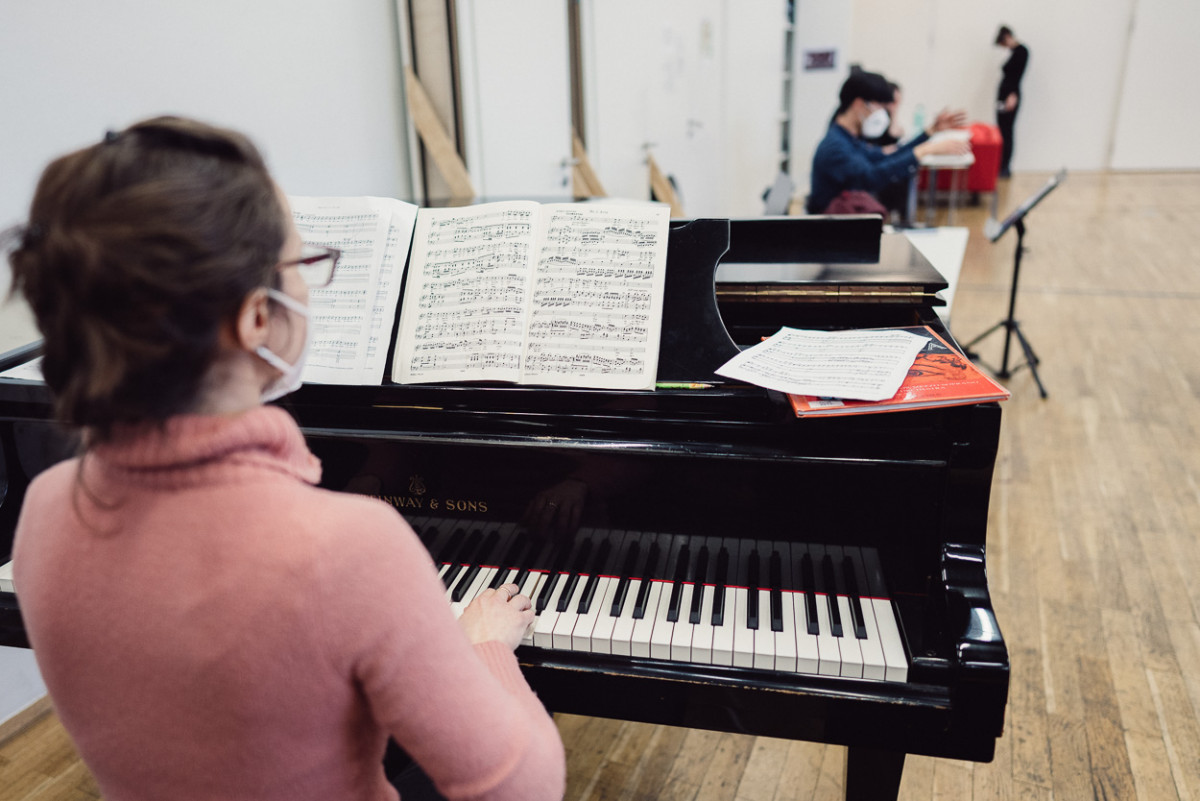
(137, 250)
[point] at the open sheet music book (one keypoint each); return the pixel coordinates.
(352, 318)
(565, 294)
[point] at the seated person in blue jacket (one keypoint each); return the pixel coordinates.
(848, 173)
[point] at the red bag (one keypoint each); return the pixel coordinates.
(856, 201)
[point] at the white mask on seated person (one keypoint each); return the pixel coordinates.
(290, 380)
(876, 124)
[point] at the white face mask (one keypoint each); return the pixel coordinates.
(289, 381)
(876, 124)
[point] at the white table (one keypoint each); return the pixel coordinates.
(958, 165)
(945, 249)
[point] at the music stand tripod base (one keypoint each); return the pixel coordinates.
(1012, 327)
(1009, 324)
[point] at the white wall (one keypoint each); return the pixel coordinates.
(1160, 106)
(516, 80)
(1107, 86)
(313, 82)
(821, 25)
(700, 83)
(1070, 88)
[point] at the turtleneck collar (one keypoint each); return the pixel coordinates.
(198, 449)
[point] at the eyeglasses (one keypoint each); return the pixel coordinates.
(315, 265)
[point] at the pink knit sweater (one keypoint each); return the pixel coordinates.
(212, 626)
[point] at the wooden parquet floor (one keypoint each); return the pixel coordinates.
(1094, 559)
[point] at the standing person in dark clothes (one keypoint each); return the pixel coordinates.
(1008, 98)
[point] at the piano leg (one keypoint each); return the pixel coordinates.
(873, 774)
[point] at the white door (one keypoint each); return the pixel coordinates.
(516, 97)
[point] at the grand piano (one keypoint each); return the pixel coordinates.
(698, 556)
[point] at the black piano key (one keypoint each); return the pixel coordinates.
(464, 582)
(450, 575)
(681, 575)
(752, 594)
(589, 594)
(809, 583)
(448, 551)
(639, 603)
(511, 559)
(776, 581)
(627, 569)
(577, 567)
(474, 562)
(698, 575)
(427, 534)
(564, 600)
(543, 599)
(556, 561)
(719, 582)
(456, 556)
(519, 579)
(589, 589)
(835, 613)
(856, 611)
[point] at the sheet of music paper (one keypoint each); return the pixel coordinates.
(561, 294)
(352, 318)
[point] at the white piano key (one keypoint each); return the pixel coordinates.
(889, 639)
(530, 588)
(599, 633)
(581, 632)
(808, 658)
(543, 631)
(722, 644)
(702, 632)
(622, 636)
(828, 652)
(532, 583)
(743, 636)
(478, 585)
(681, 636)
(642, 629)
(660, 637)
(785, 641)
(874, 665)
(6, 577)
(764, 638)
(852, 662)
(564, 627)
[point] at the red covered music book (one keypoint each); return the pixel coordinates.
(939, 376)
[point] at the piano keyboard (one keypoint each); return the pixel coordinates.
(768, 605)
(6, 578)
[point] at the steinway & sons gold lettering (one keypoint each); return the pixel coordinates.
(404, 502)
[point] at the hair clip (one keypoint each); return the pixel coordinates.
(110, 137)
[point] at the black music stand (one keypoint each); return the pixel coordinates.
(1009, 324)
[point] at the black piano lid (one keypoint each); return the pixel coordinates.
(766, 262)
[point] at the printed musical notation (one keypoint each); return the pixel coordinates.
(597, 299)
(565, 294)
(354, 314)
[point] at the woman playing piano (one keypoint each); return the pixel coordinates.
(208, 622)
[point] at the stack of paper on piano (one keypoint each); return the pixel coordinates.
(563, 294)
(830, 373)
